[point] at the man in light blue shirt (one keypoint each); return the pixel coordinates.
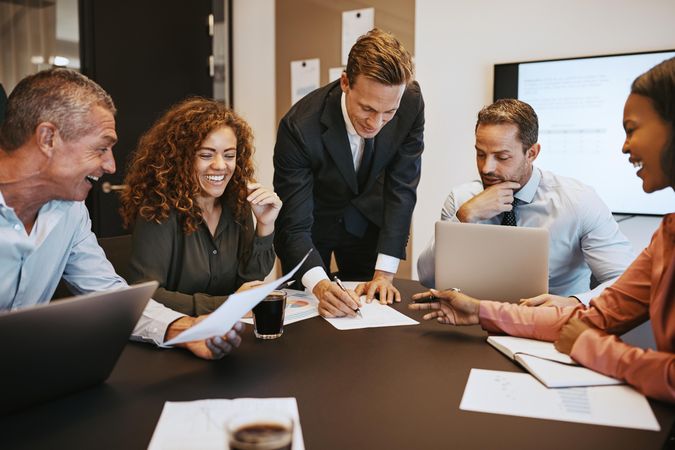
(55, 142)
(584, 237)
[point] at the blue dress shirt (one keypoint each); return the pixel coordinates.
(61, 244)
(584, 238)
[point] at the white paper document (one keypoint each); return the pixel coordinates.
(305, 78)
(222, 319)
(355, 23)
(201, 424)
(374, 315)
(519, 394)
(300, 305)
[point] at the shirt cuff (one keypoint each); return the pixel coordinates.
(152, 325)
(312, 277)
(386, 263)
(586, 297)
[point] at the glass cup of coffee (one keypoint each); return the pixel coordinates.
(260, 431)
(268, 316)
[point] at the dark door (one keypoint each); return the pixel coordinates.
(147, 54)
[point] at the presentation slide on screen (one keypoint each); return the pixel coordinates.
(580, 107)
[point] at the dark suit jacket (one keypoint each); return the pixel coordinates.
(315, 178)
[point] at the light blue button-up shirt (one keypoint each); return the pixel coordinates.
(584, 238)
(61, 244)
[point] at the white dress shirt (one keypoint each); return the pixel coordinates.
(61, 244)
(384, 262)
(584, 238)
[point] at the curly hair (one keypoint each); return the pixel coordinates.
(161, 174)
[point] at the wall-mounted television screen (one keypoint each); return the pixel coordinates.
(579, 102)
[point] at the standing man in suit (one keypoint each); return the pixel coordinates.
(346, 166)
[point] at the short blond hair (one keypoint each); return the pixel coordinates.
(380, 56)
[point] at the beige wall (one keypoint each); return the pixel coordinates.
(253, 76)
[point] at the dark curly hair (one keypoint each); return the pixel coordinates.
(161, 174)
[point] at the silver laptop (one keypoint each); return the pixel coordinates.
(492, 262)
(67, 345)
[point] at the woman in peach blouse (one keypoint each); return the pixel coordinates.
(645, 291)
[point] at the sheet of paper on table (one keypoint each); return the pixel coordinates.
(300, 305)
(374, 315)
(222, 319)
(520, 394)
(200, 424)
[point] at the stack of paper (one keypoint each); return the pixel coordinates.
(551, 367)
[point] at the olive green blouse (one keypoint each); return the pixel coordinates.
(196, 272)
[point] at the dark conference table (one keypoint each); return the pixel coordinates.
(377, 388)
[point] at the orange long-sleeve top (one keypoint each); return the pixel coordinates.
(645, 291)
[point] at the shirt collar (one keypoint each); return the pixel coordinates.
(527, 192)
(348, 123)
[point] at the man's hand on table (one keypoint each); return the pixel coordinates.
(382, 285)
(550, 300)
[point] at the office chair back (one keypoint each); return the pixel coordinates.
(118, 251)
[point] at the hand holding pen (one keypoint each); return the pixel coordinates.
(344, 289)
(429, 297)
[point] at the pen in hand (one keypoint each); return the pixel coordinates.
(342, 286)
(431, 298)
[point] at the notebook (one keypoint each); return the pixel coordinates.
(67, 345)
(492, 262)
(548, 365)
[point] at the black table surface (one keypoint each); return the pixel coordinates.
(376, 388)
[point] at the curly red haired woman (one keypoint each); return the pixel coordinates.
(191, 198)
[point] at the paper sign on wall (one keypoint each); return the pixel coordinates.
(304, 78)
(334, 73)
(355, 23)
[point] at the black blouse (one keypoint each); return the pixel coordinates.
(196, 272)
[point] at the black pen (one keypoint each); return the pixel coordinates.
(431, 298)
(342, 286)
(286, 285)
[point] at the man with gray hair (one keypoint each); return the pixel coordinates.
(584, 237)
(55, 143)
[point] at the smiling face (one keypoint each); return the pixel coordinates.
(215, 162)
(646, 137)
(78, 163)
(500, 156)
(370, 104)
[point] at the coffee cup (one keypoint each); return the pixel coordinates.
(268, 316)
(260, 431)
